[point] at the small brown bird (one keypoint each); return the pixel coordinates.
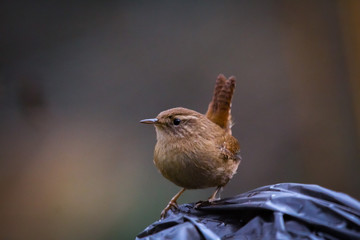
(194, 150)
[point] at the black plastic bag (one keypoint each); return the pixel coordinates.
(280, 211)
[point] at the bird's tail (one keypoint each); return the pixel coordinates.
(219, 110)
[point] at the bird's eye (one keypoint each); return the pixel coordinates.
(176, 121)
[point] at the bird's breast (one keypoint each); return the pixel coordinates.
(193, 166)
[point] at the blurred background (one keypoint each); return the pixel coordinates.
(76, 77)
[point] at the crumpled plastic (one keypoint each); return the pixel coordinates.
(280, 211)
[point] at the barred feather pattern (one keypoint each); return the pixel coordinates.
(219, 110)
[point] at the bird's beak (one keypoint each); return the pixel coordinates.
(150, 121)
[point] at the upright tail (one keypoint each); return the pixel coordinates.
(219, 110)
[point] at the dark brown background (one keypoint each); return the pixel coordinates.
(75, 79)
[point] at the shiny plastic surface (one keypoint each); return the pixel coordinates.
(280, 211)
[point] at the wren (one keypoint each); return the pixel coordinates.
(194, 150)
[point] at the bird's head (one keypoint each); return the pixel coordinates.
(179, 123)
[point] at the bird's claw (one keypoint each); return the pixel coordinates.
(201, 204)
(171, 205)
(208, 202)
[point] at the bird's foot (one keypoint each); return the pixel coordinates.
(171, 205)
(213, 199)
(201, 204)
(208, 202)
(204, 203)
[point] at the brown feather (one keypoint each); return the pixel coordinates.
(197, 151)
(219, 110)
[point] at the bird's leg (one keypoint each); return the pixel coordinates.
(213, 196)
(171, 204)
(211, 199)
